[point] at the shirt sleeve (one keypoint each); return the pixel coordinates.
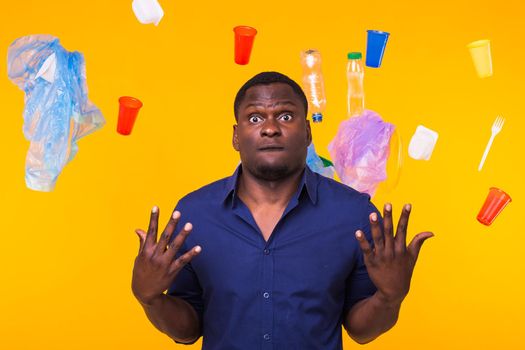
(186, 284)
(359, 286)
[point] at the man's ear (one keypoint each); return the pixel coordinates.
(235, 139)
(308, 133)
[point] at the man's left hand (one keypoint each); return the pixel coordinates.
(391, 262)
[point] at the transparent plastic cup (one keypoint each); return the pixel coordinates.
(128, 111)
(244, 37)
(481, 56)
(394, 165)
(494, 204)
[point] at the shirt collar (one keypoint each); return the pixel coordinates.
(308, 182)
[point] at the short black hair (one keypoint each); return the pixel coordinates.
(266, 78)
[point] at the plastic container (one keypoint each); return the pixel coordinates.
(422, 143)
(494, 204)
(482, 58)
(313, 83)
(128, 111)
(355, 73)
(375, 47)
(147, 11)
(394, 166)
(244, 37)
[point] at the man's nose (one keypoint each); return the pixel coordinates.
(270, 128)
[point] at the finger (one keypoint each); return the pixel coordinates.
(363, 243)
(388, 229)
(175, 245)
(377, 232)
(178, 264)
(142, 238)
(402, 226)
(166, 234)
(151, 237)
(415, 245)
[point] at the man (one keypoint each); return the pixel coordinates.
(285, 256)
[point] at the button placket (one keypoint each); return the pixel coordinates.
(267, 303)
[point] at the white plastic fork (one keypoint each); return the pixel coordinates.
(496, 128)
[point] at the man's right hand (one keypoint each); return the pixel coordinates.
(155, 267)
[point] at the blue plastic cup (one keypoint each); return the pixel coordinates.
(375, 47)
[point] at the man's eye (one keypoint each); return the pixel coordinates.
(255, 119)
(286, 117)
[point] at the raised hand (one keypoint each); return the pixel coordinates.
(155, 267)
(390, 263)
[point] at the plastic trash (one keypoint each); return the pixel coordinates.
(375, 47)
(481, 56)
(422, 143)
(244, 37)
(319, 165)
(360, 151)
(495, 129)
(495, 202)
(313, 83)
(147, 11)
(128, 110)
(57, 109)
(355, 75)
(394, 164)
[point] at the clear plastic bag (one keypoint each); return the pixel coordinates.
(57, 110)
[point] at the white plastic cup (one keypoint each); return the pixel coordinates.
(480, 52)
(147, 11)
(422, 143)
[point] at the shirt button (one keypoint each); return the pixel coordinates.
(266, 336)
(266, 251)
(266, 295)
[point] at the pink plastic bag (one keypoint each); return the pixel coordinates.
(360, 150)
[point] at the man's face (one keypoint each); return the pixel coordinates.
(272, 134)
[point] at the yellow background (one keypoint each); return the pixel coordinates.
(67, 256)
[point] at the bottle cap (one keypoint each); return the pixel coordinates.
(317, 117)
(354, 55)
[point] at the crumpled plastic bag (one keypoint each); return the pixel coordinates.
(317, 165)
(360, 151)
(57, 110)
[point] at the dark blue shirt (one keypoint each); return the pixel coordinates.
(290, 292)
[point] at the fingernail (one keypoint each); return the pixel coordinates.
(373, 216)
(198, 249)
(155, 209)
(188, 226)
(408, 207)
(388, 207)
(176, 214)
(358, 234)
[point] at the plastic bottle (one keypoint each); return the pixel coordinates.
(355, 74)
(313, 83)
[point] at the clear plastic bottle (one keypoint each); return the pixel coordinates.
(355, 75)
(313, 83)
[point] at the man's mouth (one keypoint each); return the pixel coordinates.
(271, 148)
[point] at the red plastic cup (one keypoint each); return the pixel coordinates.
(494, 204)
(244, 37)
(129, 108)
